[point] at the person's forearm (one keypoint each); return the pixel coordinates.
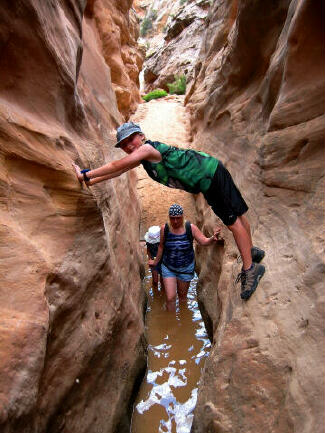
(203, 240)
(105, 170)
(206, 241)
(121, 165)
(159, 255)
(101, 178)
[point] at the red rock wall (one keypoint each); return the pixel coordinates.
(118, 30)
(257, 103)
(173, 43)
(70, 295)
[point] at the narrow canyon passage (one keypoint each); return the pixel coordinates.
(177, 341)
(163, 120)
(73, 341)
(177, 347)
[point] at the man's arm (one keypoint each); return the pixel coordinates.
(144, 152)
(107, 177)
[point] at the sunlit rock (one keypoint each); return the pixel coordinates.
(174, 40)
(118, 29)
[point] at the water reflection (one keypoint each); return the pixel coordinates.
(178, 345)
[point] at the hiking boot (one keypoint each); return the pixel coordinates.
(250, 279)
(257, 254)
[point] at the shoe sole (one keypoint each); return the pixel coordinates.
(247, 294)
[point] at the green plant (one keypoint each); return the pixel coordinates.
(153, 14)
(155, 94)
(177, 87)
(181, 2)
(145, 26)
(146, 23)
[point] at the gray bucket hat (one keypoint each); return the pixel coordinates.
(124, 131)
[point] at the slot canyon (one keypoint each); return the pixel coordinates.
(73, 339)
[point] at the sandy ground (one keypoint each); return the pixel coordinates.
(163, 120)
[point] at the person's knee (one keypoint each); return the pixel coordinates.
(234, 225)
(171, 297)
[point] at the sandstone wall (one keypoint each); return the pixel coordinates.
(71, 332)
(173, 43)
(117, 26)
(257, 103)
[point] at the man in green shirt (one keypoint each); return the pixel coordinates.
(192, 171)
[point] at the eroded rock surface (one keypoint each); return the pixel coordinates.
(174, 41)
(118, 30)
(71, 341)
(257, 103)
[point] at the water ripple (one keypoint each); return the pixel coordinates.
(178, 346)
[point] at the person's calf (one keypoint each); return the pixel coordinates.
(243, 242)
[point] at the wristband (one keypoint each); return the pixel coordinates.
(86, 178)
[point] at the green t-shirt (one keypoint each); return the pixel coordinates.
(187, 169)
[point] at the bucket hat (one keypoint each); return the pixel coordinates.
(153, 235)
(125, 130)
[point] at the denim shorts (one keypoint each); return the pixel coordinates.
(184, 274)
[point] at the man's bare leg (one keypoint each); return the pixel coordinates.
(243, 240)
(247, 226)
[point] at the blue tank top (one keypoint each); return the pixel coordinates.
(178, 251)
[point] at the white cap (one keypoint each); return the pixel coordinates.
(153, 235)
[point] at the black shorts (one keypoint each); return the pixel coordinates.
(224, 197)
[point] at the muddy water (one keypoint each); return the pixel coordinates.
(178, 346)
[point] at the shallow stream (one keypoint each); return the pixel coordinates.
(178, 345)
